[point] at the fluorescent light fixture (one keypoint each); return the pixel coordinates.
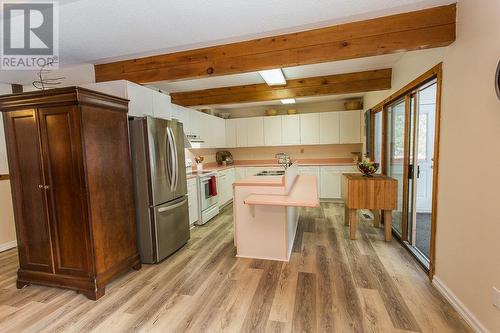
(273, 77)
(288, 101)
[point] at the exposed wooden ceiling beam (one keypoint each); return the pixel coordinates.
(434, 27)
(313, 86)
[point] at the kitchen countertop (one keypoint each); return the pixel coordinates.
(272, 163)
(304, 193)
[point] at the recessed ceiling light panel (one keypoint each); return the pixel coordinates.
(273, 77)
(288, 101)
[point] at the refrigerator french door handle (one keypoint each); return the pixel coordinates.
(167, 158)
(170, 160)
(174, 160)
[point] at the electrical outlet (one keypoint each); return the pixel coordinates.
(496, 297)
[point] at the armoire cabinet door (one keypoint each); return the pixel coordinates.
(29, 200)
(62, 157)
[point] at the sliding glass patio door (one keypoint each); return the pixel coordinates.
(410, 136)
(420, 171)
(394, 163)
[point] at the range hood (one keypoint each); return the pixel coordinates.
(195, 138)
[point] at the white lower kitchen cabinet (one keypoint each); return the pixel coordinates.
(225, 180)
(239, 173)
(313, 171)
(330, 182)
(192, 189)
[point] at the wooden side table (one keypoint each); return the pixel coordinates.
(376, 193)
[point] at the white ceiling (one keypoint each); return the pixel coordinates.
(94, 31)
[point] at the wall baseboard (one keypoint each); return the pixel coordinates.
(8, 246)
(460, 307)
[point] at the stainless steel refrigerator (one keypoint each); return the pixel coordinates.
(157, 148)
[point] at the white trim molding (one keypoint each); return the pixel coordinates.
(460, 307)
(8, 246)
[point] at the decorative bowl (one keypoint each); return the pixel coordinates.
(271, 112)
(353, 105)
(368, 168)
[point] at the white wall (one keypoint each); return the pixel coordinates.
(74, 75)
(7, 229)
(468, 229)
(468, 226)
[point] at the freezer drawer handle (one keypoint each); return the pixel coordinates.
(166, 209)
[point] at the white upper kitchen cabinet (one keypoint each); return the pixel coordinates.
(161, 105)
(219, 131)
(241, 132)
(140, 98)
(255, 131)
(231, 133)
(195, 122)
(329, 123)
(309, 128)
(207, 130)
(272, 131)
(181, 114)
(290, 127)
(350, 126)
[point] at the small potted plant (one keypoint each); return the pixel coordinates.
(367, 167)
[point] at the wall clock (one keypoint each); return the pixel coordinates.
(497, 80)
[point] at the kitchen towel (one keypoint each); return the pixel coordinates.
(213, 186)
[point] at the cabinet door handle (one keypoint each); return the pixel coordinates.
(46, 187)
(40, 186)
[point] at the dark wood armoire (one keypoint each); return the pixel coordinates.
(71, 178)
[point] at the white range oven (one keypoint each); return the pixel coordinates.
(208, 200)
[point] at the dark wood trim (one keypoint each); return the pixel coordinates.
(435, 175)
(423, 29)
(406, 162)
(372, 135)
(4, 177)
(16, 88)
(305, 87)
(384, 141)
(422, 79)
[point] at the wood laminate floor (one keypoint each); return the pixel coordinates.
(331, 284)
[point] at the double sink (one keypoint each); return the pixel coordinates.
(271, 173)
